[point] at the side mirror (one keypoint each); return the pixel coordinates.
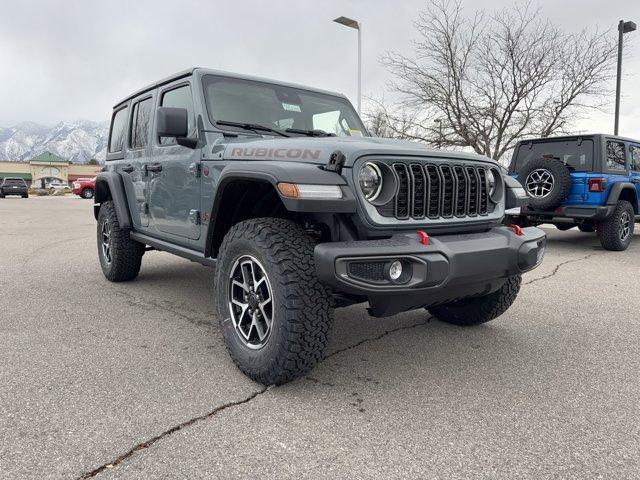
(172, 122)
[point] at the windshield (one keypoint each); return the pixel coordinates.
(575, 153)
(278, 107)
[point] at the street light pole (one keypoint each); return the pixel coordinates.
(623, 27)
(359, 68)
(351, 23)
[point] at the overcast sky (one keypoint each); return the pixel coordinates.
(65, 60)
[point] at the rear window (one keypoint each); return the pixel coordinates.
(616, 158)
(575, 153)
(118, 132)
(140, 122)
(14, 181)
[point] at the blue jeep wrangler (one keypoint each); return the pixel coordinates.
(588, 181)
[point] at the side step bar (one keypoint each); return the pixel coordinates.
(184, 252)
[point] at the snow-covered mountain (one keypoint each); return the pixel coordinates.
(77, 141)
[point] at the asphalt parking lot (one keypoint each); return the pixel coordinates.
(132, 380)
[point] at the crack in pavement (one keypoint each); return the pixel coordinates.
(172, 430)
(560, 265)
(378, 337)
(147, 443)
(166, 306)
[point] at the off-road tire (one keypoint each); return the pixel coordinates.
(561, 186)
(87, 193)
(586, 228)
(477, 310)
(126, 253)
(303, 308)
(609, 229)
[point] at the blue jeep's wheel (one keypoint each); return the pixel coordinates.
(547, 181)
(616, 231)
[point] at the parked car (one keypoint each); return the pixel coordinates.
(84, 187)
(300, 210)
(13, 186)
(56, 186)
(588, 181)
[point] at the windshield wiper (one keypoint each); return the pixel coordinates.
(251, 126)
(310, 133)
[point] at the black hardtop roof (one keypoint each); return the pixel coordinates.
(188, 72)
(577, 135)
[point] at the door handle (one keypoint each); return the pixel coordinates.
(127, 168)
(154, 167)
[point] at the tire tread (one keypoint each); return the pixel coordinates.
(608, 229)
(478, 310)
(308, 308)
(126, 253)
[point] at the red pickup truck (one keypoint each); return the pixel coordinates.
(85, 187)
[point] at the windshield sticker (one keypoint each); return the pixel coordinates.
(355, 133)
(291, 107)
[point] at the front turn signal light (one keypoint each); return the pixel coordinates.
(318, 192)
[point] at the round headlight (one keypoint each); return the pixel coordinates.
(491, 183)
(370, 179)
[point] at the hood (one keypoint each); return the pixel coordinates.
(317, 150)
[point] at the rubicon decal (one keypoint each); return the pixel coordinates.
(300, 153)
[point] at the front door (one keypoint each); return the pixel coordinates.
(635, 166)
(173, 174)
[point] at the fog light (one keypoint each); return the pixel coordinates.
(395, 270)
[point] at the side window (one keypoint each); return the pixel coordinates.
(118, 130)
(140, 123)
(635, 158)
(616, 159)
(179, 98)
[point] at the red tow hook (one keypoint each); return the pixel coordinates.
(424, 238)
(517, 230)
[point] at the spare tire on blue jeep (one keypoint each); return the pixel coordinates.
(547, 181)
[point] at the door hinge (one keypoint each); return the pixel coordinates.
(194, 217)
(194, 169)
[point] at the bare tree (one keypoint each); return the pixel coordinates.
(490, 80)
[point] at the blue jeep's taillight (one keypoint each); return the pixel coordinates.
(597, 184)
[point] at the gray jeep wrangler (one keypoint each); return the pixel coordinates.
(281, 188)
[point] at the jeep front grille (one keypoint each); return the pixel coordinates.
(438, 191)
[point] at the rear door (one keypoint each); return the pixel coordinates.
(117, 152)
(139, 155)
(635, 165)
(173, 176)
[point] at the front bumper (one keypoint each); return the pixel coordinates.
(449, 268)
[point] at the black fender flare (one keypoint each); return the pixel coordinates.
(616, 191)
(274, 173)
(515, 194)
(109, 186)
